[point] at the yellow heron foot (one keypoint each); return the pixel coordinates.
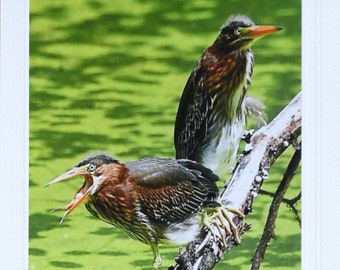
(219, 217)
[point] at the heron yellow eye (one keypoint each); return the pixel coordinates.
(91, 168)
(238, 31)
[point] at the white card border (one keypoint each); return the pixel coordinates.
(321, 129)
(14, 136)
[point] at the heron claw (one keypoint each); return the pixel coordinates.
(219, 218)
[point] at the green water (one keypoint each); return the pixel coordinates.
(107, 76)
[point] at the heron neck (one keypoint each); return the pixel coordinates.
(228, 78)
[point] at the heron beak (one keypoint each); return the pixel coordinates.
(76, 171)
(260, 31)
(82, 193)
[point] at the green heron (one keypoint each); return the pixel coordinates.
(211, 116)
(152, 199)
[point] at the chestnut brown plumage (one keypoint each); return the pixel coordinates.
(212, 112)
(151, 199)
(211, 115)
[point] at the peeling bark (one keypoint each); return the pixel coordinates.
(262, 150)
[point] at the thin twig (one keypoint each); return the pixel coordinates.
(284, 199)
(290, 202)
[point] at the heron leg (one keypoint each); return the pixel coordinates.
(157, 262)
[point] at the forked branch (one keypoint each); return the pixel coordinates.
(263, 149)
(269, 229)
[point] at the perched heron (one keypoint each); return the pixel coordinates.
(211, 116)
(152, 199)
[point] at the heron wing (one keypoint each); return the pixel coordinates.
(172, 190)
(193, 115)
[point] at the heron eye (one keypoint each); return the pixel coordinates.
(92, 167)
(238, 31)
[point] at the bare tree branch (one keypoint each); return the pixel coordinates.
(264, 147)
(269, 228)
